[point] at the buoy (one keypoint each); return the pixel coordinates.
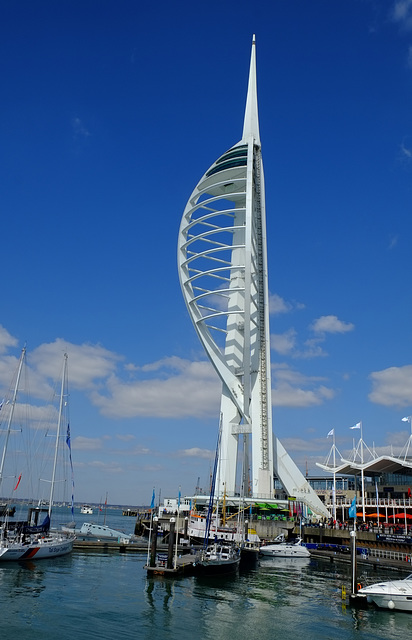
(391, 604)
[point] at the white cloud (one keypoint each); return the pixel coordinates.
(87, 363)
(283, 343)
(293, 389)
(182, 389)
(278, 305)
(402, 13)
(6, 340)
(195, 452)
(392, 387)
(86, 444)
(312, 349)
(126, 437)
(331, 324)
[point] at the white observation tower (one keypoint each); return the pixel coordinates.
(222, 261)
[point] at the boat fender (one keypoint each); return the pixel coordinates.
(391, 604)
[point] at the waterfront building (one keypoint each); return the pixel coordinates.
(223, 271)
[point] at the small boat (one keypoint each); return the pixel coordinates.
(285, 549)
(219, 558)
(395, 595)
(34, 537)
(86, 509)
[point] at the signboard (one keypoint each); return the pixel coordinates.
(394, 538)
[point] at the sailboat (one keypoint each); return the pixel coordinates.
(221, 556)
(33, 537)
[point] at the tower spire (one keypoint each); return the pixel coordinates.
(251, 122)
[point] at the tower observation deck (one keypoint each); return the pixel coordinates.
(222, 262)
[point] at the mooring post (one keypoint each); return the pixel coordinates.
(153, 545)
(171, 544)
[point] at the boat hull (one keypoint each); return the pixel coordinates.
(91, 531)
(395, 595)
(50, 547)
(391, 602)
(219, 558)
(285, 551)
(216, 567)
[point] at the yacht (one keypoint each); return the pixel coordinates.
(285, 549)
(86, 508)
(394, 595)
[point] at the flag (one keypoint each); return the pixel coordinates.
(352, 509)
(409, 492)
(153, 500)
(331, 432)
(356, 426)
(178, 500)
(406, 419)
(68, 442)
(18, 482)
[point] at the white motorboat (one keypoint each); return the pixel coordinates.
(285, 549)
(395, 595)
(86, 509)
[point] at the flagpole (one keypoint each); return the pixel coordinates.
(404, 508)
(151, 526)
(362, 475)
(377, 500)
(334, 478)
(177, 527)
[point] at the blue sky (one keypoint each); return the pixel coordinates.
(111, 113)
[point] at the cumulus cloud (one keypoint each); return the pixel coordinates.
(283, 343)
(392, 387)
(293, 389)
(312, 349)
(87, 363)
(331, 324)
(181, 389)
(6, 340)
(278, 305)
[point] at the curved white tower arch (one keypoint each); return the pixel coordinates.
(222, 261)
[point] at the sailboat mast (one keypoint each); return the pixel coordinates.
(59, 421)
(11, 414)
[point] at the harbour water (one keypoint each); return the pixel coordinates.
(108, 596)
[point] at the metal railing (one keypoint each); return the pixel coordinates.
(388, 555)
